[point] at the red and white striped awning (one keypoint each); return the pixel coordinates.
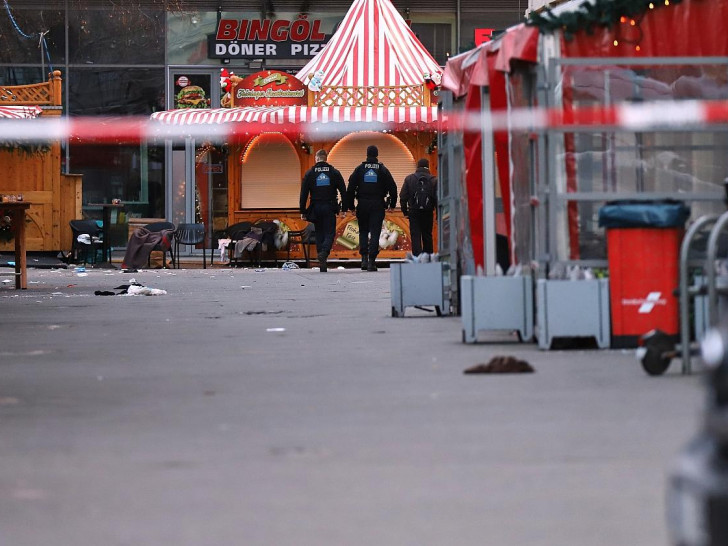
(373, 47)
(20, 112)
(297, 115)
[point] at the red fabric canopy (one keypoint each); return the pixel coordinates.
(696, 29)
(519, 43)
(466, 69)
(471, 68)
(485, 66)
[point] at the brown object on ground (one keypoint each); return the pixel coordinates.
(502, 364)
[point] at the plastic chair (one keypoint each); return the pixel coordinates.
(190, 234)
(156, 227)
(94, 232)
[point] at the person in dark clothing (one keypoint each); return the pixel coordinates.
(372, 186)
(322, 182)
(418, 200)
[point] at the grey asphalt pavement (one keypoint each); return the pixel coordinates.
(277, 408)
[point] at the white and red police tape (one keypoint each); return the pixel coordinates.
(648, 116)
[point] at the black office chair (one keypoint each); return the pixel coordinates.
(190, 234)
(156, 227)
(90, 249)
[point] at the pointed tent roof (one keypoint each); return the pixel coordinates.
(373, 47)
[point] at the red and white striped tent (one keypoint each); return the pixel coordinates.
(294, 115)
(19, 112)
(373, 47)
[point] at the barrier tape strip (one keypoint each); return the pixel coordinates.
(653, 116)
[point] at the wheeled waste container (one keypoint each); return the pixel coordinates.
(643, 251)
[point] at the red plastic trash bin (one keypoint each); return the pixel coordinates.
(643, 251)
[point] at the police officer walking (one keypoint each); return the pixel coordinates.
(322, 182)
(372, 186)
(418, 199)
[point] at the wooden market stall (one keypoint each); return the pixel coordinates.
(33, 170)
(373, 69)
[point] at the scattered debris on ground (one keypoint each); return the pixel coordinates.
(502, 364)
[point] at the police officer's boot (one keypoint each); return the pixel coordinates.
(364, 262)
(322, 257)
(372, 266)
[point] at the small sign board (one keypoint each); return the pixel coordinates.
(212, 168)
(270, 88)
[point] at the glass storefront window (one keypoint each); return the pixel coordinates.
(125, 34)
(471, 22)
(21, 75)
(437, 39)
(134, 174)
(112, 91)
(16, 49)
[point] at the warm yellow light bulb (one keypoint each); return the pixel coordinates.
(652, 6)
(616, 43)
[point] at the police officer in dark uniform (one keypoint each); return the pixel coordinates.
(322, 182)
(373, 187)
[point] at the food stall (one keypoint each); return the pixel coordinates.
(374, 70)
(33, 170)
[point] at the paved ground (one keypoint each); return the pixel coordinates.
(183, 420)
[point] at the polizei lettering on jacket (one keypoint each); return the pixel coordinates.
(266, 38)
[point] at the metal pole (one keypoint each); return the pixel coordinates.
(710, 267)
(699, 224)
(486, 135)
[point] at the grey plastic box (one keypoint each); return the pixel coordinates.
(573, 309)
(496, 303)
(420, 285)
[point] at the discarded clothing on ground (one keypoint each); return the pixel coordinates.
(86, 239)
(222, 246)
(140, 246)
(132, 289)
(502, 364)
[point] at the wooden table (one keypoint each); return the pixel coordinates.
(107, 208)
(16, 211)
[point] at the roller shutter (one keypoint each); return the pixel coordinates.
(350, 151)
(270, 174)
